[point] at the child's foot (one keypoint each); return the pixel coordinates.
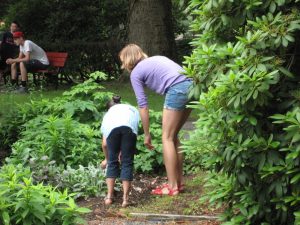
(125, 202)
(108, 200)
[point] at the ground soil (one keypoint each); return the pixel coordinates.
(140, 197)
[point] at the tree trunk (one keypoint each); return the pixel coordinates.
(150, 26)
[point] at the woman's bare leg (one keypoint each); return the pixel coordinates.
(180, 155)
(172, 120)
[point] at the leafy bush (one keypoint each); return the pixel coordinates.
(150, 160)
(22, 202)
(11, 123)
(84, 102)
(84, 181)
(64, 140)
(244, 70)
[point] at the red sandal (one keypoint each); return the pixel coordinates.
(165, 191)
(166, 185)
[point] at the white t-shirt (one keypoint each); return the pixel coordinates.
(120, 115)
(36, 52)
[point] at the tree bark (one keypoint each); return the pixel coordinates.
(150, 27)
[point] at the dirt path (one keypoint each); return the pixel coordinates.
(142, 201)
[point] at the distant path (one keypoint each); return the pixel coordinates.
(189, 124)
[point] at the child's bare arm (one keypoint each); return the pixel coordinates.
(104, 149)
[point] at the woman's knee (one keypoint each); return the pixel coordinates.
(169, 136)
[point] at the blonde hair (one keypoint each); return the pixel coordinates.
(131, 55)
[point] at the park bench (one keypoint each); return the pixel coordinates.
(57, 62)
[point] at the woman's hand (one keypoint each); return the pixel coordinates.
(147, 142)
(144, 113)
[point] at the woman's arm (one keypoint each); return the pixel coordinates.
(144, 113)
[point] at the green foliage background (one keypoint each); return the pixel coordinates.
(246, 71)
(64, 21)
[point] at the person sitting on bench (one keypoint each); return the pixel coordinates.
(8, 49)
(31, 58)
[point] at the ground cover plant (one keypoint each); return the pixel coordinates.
(23, 202)
(245, 67)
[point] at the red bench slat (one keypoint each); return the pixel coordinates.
(57, 59)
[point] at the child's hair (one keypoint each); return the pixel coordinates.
(131, 55)
(115, 100)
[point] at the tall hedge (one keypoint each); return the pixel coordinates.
(245, 65)
(71, 20)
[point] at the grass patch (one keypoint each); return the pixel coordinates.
(9, 100)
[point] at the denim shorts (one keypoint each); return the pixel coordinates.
(177, 96)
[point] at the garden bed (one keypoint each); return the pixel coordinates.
(142, 202)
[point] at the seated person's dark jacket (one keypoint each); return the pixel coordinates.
(8, 49)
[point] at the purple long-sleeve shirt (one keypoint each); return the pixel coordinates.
(157, 73)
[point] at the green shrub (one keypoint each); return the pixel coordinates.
(22, 202)
(84, 103)
(84, 181)
(146, 160)
(11, 122)
(64, 140)
(245, 72)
